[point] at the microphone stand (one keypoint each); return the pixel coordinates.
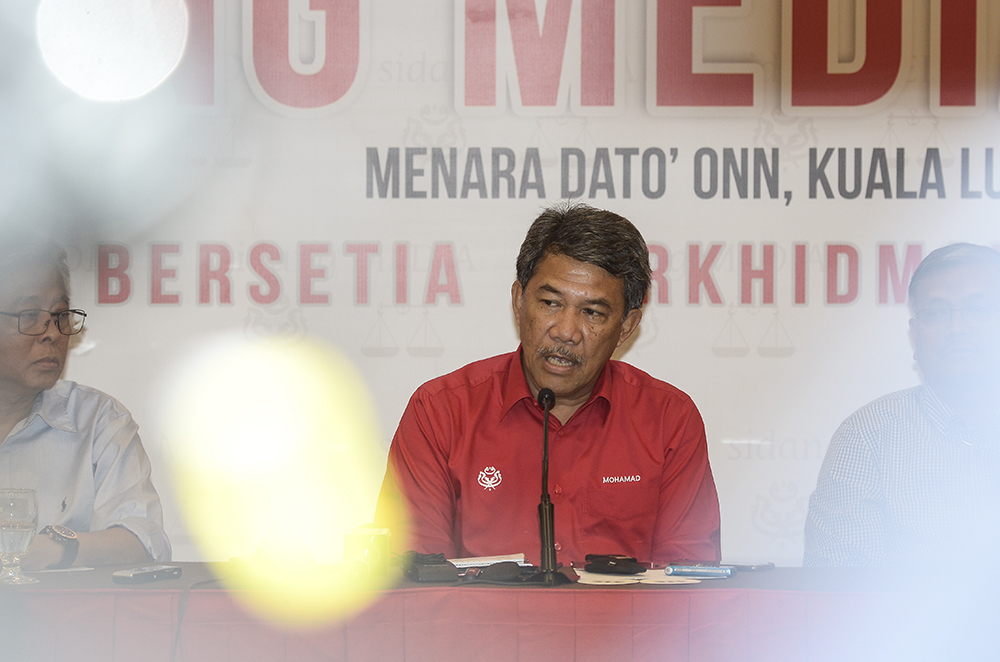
(547, 575)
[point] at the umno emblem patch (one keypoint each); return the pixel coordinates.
(489, 478)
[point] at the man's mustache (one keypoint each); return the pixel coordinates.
(575, 359)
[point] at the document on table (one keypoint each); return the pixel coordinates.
(649, 577)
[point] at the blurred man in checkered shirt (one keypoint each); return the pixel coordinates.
(915, 475)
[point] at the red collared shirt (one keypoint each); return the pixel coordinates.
(628, 473)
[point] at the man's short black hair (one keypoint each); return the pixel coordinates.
(590, 235)
(953, 255)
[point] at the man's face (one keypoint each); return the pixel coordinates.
(571, 318)
(31, 364)
(956, 330)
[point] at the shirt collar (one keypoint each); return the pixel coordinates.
(52, 407)
(940, 414)
(949, 422)
(516, 388)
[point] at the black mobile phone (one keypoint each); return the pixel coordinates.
(146, 573)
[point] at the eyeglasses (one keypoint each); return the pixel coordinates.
(36, 322)
(933, 318)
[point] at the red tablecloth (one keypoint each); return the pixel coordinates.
(789, 615)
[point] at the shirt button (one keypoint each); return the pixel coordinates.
(558, 489)
(560, 433)
(558, 547)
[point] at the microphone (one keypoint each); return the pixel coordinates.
(546, 400)
(547, 574)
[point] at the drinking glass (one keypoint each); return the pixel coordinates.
(18, 519)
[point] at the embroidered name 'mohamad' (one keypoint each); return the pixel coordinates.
(622, 479)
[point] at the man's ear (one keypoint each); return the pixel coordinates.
(516, 299)
(630, 324)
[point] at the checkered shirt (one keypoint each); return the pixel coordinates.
(905, 481)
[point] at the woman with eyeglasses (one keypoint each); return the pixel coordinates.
(78, 448)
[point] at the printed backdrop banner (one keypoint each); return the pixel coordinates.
(362, 173)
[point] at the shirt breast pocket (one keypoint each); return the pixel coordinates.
(621, 512)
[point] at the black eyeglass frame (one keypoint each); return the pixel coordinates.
(62, 314)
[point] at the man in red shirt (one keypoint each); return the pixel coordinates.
(628, 467)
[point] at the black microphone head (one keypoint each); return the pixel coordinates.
(546, 398)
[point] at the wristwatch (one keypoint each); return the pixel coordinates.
(67, 538)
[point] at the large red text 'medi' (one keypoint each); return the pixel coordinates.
(309, 56)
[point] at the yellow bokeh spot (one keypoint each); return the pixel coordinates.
(275, 454)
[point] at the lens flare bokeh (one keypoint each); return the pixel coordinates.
(275, 456)
(112, 50)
